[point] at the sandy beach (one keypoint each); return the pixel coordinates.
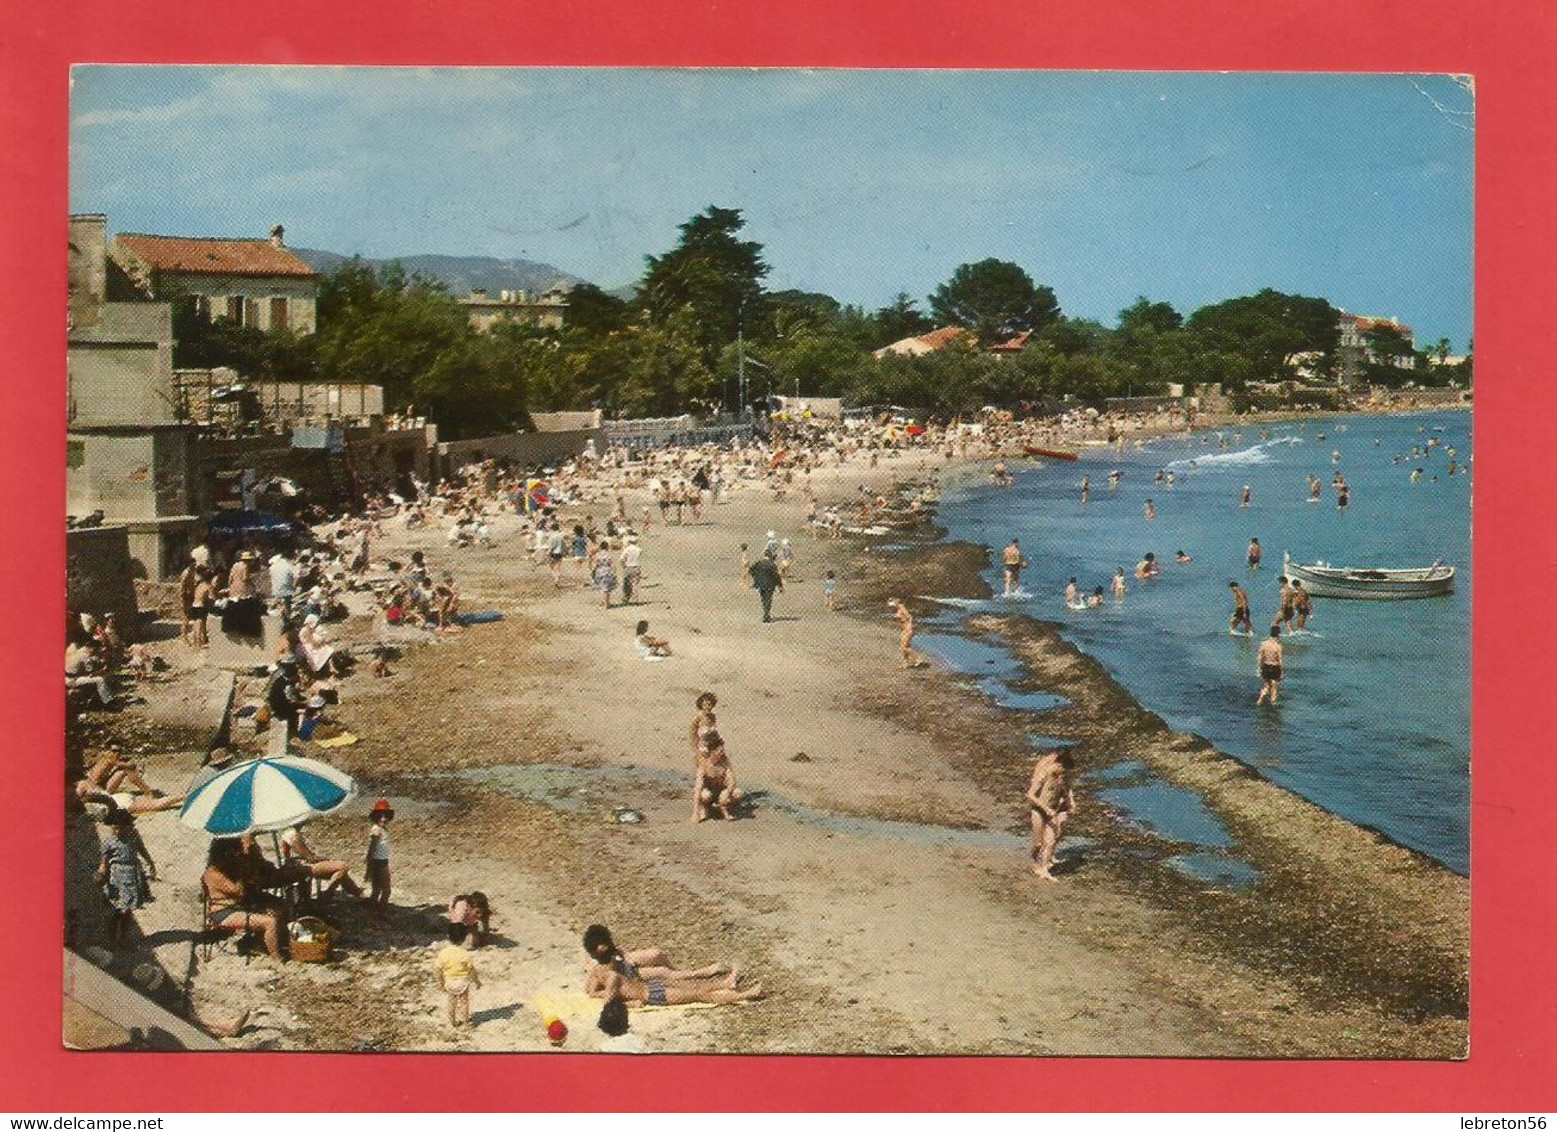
(880, 889)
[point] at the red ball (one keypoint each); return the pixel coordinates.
(557, 1032)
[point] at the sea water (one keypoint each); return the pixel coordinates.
(1374, 718)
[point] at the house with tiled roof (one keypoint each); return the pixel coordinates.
(939, 339)
(250, 282)
(925, 343)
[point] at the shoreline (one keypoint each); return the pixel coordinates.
(882, 881)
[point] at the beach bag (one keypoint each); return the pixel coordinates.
(312, 939)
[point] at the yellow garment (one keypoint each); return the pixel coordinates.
(344, 739)
(455, 963)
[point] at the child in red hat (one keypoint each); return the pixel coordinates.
(377, 864)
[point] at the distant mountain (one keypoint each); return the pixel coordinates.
(461, 274)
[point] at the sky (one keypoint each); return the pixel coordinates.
(1185, 188)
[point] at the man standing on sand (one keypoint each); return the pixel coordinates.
(1013, 562)
(1050, 800)
(765, 578)
(632, 569)
(1240, 610)
(1270, 666)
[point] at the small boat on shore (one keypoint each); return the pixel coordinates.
(1048, 453)
(1368, 584)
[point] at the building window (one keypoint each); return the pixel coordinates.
(251, 312)
(235, 309)
(278, 312)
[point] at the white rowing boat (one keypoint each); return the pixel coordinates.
(1323, 580)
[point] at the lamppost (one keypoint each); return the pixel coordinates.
(740, 353)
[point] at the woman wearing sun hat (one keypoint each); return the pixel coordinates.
(377, 864)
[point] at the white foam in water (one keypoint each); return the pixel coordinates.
(959, 602)
(1240, 459)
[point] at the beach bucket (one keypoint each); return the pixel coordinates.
(312, 939)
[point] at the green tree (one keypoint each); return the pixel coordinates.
(1267, 333)
(711, 278)
(595, 311)
(899, 319)
(995, 299)
(663, 370)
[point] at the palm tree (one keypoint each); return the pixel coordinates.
(1441, 350)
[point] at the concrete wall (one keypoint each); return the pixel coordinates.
(523, 448)
(119, 368)
(566, 421)
(88, 259)
(129, 474)
(100, 576)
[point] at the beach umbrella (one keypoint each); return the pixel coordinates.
(248, 522)
(265, 795)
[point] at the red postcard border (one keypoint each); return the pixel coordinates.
(1507, 47)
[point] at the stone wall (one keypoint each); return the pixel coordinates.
(100, 576)
(523, 448)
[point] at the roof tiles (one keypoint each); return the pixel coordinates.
(208, 256)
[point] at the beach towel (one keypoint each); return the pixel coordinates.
(486, 616)
(344, 739)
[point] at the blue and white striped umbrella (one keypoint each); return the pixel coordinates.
(264, 795)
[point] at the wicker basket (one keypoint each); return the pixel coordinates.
(317, 949)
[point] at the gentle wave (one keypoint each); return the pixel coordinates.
(1240, 459)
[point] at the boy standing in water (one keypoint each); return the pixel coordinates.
(1013, 562)
(1240, 610)
(1270, 666)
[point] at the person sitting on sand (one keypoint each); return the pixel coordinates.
(713, 787)
(84, 669)
(474, 911)
(1051, 801)
(446, 598)
(646, 978)
(296, 850)
(650, 646)
(232, 904)
(111, 773)
(905, 620)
